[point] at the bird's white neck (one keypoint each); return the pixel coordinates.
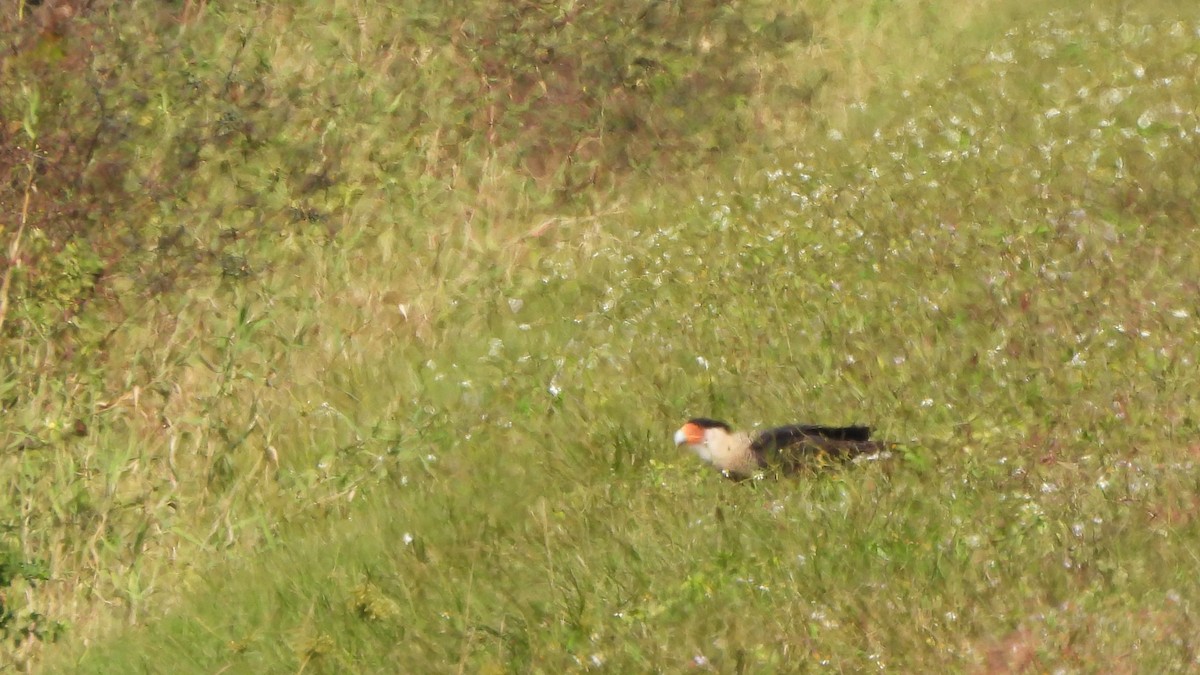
(728, 452)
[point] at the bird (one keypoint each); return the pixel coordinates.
(781, 450)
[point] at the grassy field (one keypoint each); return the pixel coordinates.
(366, 348)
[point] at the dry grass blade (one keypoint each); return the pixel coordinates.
(14, 250)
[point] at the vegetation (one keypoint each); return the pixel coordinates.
(350, 337)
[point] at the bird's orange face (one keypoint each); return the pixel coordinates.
(692, 434)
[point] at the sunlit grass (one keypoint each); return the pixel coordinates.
(418, 421)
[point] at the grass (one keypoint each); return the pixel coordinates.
(378, 391)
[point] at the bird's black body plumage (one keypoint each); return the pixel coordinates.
(797, 444)
(784, 436)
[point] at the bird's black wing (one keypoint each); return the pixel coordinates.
(785, 436)
(795, 445)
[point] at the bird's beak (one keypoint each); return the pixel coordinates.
(680, 437)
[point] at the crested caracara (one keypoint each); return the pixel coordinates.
(783, 449)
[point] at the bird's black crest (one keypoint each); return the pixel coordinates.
(706, 423)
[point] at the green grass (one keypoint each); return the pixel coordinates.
(380, 394)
